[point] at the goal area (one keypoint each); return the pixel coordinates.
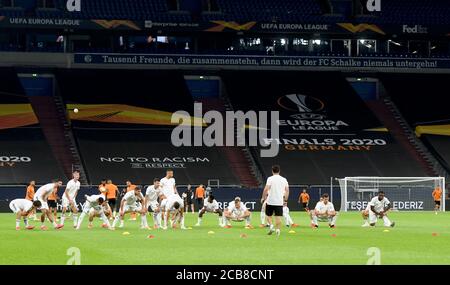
(404, 193)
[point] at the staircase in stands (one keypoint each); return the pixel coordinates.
(241, 161)
(388, 113)
(52, 118)
(71, 144)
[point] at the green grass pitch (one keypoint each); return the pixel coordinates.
(418, 238)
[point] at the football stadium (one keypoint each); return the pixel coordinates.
(224, 132)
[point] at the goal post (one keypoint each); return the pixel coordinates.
(404, 193)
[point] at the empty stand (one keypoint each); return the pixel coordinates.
(25, 154)
(419, 98)
(123, 128)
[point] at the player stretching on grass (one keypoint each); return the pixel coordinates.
(174, 205)
(151, 200)
(323, 212)
(98, 212)
(287, 217)
(276, 192)
(210, 206)
(379, 206)
(168, 188)
(130, 203)
(23, 208)
(94, 203)
(42, 195)
(236, 211)
(69, 198)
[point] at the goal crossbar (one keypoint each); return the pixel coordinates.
(372, 184)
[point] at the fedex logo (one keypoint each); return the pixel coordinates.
(416, 29)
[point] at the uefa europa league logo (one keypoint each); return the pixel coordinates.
(306, 107)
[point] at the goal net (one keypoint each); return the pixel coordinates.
(404, 193)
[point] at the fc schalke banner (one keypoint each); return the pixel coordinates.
(263, 61)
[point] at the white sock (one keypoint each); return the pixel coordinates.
(144, 220)
(155, 219)
(17, 223)
(105, 219)
(75, 219)
(80, 220)
(199, 221)
(387, 222)
(263, 218)
(63, 217)
(158, 218)
(115, 220)
(333, 220)
(182, 221)
(247, 221)
(314, 220)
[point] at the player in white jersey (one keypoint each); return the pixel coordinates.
(323, 212)
(151, 201)
(287, 217)
(41, 195)
(97, 212)
(275, 193)
(168, 188)
(379, 206)
(210, 206)
(132, 202)
(23, 208)
(238, 212)
(94, 203)
(167, 184)
(69, 198)
(174, 206)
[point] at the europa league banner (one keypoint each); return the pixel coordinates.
(309, 103)
(326, 130)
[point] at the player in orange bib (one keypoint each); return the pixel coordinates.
(111, 196)
(304, 200)
(30, 196)
(437, 195)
